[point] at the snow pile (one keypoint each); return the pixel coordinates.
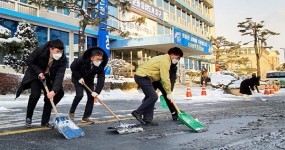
(4, 31)
(223, 78)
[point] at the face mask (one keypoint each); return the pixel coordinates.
(96, 63)
(56, 56)
(175, 61)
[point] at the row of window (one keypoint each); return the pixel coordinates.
(180, 13)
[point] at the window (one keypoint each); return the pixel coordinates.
(113, 10)
(160, 29)
(24, 1)
(159, 3)
(60, 11)
(166, 5)
(249, 64)
(172, 8)
(237, 66)
(167, 30)
(183, 14)
(41, 34)
(75, 45)
(178, 12)
(91, 41)
(193, 20)
(9, 24)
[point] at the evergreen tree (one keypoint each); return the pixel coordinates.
(17, 57)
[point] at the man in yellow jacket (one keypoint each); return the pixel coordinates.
(156, 69)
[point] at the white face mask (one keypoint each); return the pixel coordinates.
(174, 61)
(56, 56)
(96, 63)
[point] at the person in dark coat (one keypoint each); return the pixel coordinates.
(84, 70)
(46, 63)
(158, 85)
(247, 86)
(256, 80)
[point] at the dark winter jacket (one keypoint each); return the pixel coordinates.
(246, 85)
(37, 63)
(83, 67)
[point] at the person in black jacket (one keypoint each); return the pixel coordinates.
(84, 70)
(256, 80)
(46, 63)
(247, 86)
(158, 85)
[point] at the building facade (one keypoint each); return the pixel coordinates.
(183, 23)
(269, 61)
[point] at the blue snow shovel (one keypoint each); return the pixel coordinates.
(64, 125)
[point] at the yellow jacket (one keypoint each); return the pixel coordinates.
(157, 69)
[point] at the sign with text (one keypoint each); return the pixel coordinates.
(103, 35)
(191, 41)
(148, 8)
(148, 28)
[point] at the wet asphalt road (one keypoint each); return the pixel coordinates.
(253, 124)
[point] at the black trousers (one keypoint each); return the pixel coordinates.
(36, 87)
(79, 95)
(147, 106)
(158, 85)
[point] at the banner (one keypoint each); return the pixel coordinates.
(103, 35)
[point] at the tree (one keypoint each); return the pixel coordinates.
(16, 58)
(221, 46)
(6, 42)
(88, 10)
(260, 36)
(281, 67)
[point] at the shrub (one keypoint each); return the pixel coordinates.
(9, 83)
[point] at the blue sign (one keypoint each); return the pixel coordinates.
(191, 41)
(148, 8)
(103, 35)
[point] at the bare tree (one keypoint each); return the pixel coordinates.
(88, 10)
(259, 35)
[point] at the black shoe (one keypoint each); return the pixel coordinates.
(47, 125)
(174, 116)
(138, 116)
(28, 122)
(150, 123)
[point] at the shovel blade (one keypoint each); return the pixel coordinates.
(127, 128)
(163, 102)
(68, 128)
(190, 122)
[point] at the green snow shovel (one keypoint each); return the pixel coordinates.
(189, 121)
(163, 103)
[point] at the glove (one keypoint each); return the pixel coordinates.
(94, 94)
(81, 81)
(170, 97)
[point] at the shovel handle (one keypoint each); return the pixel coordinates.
(176, 107)
(51, 100)
(103, 103)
